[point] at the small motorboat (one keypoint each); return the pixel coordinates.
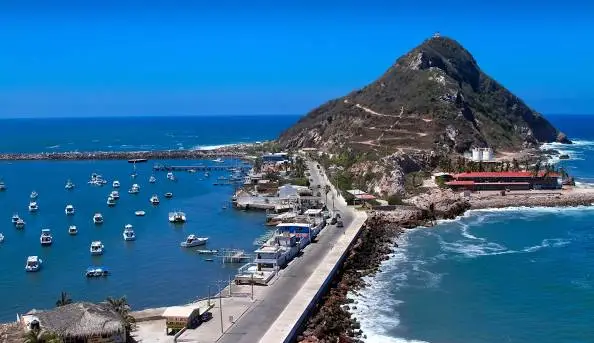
(96, 272)
(168, 195)
(96, 248)
(46, 238)
(129, 234)
(177, 217)
(33, 195)
(170, 176)
(209, 260)
(139, 213)
(33, 264)
(98, 218)
(20, 224)
(69, 185)
(115, 195)
(111, 202)
(206, 174)
(2, 186)
(115, 184)
(193, 241)
(218, 160)
(72, 230)
(152, 179)
(1, 237)
(69, 210)
(192, 171)
(154, 200)
(15, 218)
(33, 207)
(135, 189)
(207, 251)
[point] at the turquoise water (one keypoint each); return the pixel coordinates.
(151, 271)
(509, 275)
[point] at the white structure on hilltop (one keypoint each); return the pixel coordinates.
(436, 35)
(482, 154)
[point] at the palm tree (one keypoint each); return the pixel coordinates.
(38, 336)
(121, 306)
(64, 299)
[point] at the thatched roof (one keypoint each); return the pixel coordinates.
(81, 320)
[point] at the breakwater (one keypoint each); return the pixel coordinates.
(122, 155)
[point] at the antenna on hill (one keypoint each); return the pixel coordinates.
(436, 35)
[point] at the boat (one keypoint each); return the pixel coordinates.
(192, 171)
(33, 264)
(111, 201)
(33, 195)
(97, 180)
(134, 173)
(98, 218)
(69, 210)
(96, 272)
(20, 224)
(46, 237)
(152, 179)
(139, 213)
(115, 195)
(96, 248)
(115, 184)
(170, 176)
(129, 234)
(218, 160)
(206, 174)
(135, 189)
(193, 241)
(177, 217)
(207, 251)
(72, 230)
(209, 260)
(1, 237)
(15, 218)
(154, 199)
(168, 195)
(2, 186)
(33, 207)
(137, 160)
(69, 185)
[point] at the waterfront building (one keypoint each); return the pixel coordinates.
(275, 157)
(180, 317)
(523, 180)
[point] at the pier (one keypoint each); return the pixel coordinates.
(139, 156)
(201, 168)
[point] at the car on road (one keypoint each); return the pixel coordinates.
(339, 223)
(333, 221)
(206, 316)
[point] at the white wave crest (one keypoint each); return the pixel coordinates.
(212, 147)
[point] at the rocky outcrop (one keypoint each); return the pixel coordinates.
(440, 203)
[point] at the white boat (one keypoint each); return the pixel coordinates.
(46, 237)
(72, 230)
(177, 217)
(33, 264)
(129, 234)
(168, 195)
(33, 207)
(96, 248)
(115, 195)
(98, 218)
(69, 185)
(20, 224)
(1, 237)
(206, 174)
(96, 272)
(139, 213)
(193, 241)
(207, 251)
(69, 210)
(115, 184)
(97, 180)
(170, 176)
(218, 160)
(33, 195)
(154, 199)
(135, 189)
(15, 218)
(2, 186)
(111, 201)
(152, 179)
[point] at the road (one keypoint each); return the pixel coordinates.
(256, 321)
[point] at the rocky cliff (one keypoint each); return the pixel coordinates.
(433, 98)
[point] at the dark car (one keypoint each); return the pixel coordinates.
(206, 316)
(339, 223)
(333, 221)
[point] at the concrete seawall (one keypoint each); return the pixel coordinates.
(121, 155)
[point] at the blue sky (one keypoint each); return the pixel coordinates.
(95, 58)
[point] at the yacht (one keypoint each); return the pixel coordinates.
(115, 184)
(15, 218)
(97, 180)
(193, 241)
(96, 248)
(20, 224)
(33, 207)
(96, 272)
(72, 230)
(46, 237)
(69, 210)
(129, 234)
(139, 213)
(69, 185)
(168, 195)
(218, 160)
(98, 218)
(1, 237)
(135, 189)
(2, 186)
(33, 264)
(111, 201)
(170, 176)
(152, 179)
(154, 199)
(177, 217)
(33, 195)
(115, 195)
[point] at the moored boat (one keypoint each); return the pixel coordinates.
(128, 233)
(33, 207)
(15, 218)
(168, 195)
(2, 186)
(193, 241)
(96, 248)
(69, 185)
(72, 230)
(33, 195)
(98, 218)
(111, 201)
(218, 160)
(170, 176)
(96, 272)
(115, 184)
(115, 195)
(135, 189)
(154, 199)
(139, 213)
(33, 264)
(69, 210)
(1, 237)
(20, 224)
(46, 238)
(152, 179)
(177, 217)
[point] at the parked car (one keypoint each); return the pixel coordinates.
(206, 316)
(339, 223)
(333, 221)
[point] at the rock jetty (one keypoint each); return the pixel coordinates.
(122, 155)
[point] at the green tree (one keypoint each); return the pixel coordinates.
(121, 306)
(394, 199)
(38, 336)
(64, 299)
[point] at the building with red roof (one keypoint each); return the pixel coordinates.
(521, 180)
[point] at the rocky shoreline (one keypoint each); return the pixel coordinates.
(123, 155)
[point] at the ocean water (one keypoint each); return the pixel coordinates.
(506, 275)
(151, 271)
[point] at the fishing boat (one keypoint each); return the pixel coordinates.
(69, 185)
(20, 224)
(33, 207)
(135, 189)
(115, 195)
(33, 195)
(139, 213)
(177, 217)
(207, 251)
(170, 176)
(98, 218)
(111, 202)
(69, 210)
(154, 199)
(193, 241)
(96, 272)
(15, 218)
(33, 264)
(115, 184)
(96, 248)
(129, 234)
(46, 237)
(152, 179)
(72, 230)
(168, 195)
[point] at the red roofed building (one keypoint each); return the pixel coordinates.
(478, 181)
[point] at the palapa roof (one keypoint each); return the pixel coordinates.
(81, 319)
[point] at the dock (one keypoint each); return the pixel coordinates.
(200, 167)
(139, 156)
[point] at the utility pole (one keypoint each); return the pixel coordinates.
(209, 295)
(333, 208)
(221, 305)
(252, 282)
